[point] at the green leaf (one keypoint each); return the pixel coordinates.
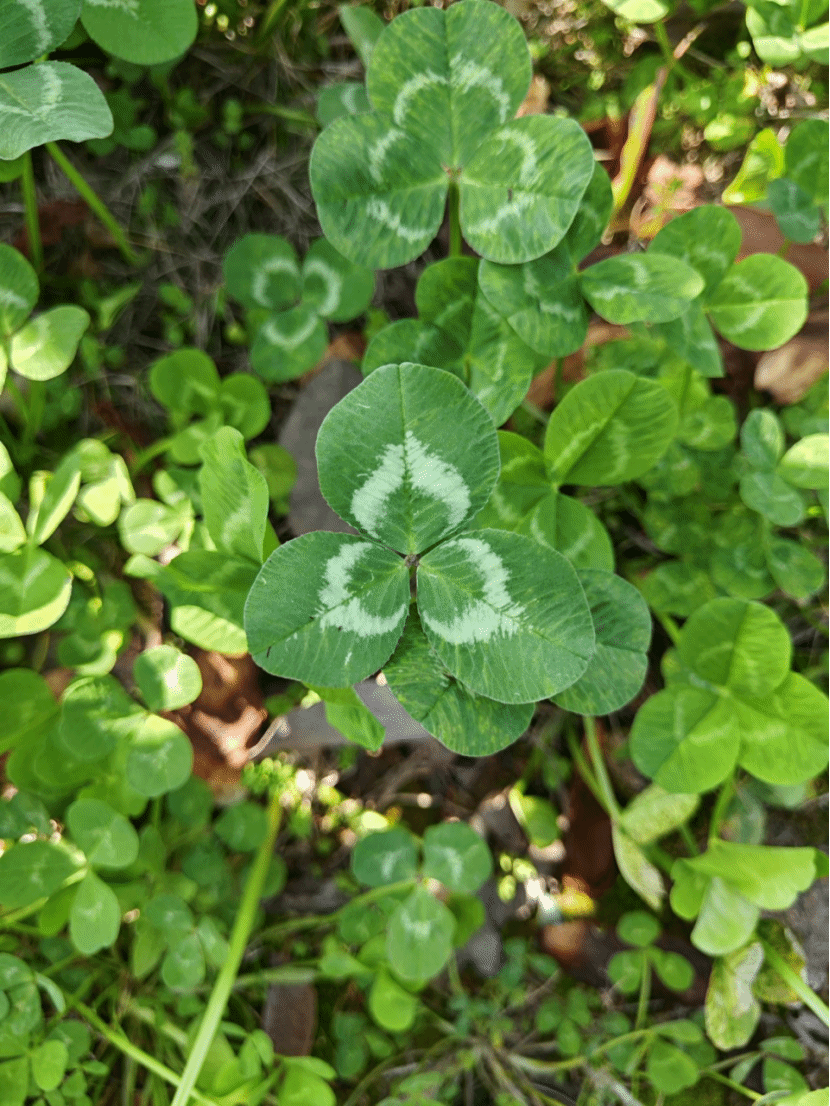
(34, 591)
(762, 439)
(804, 465)
(521, 189)
(726, 920)
(336, 288)
(387, 466)
(456, 856)
(279, 469)
(805, 158)
(19, 288)
(12, 530)
(33, 31)
(690, 337)
(169, 913)
(45, 347)
(638, 928)
(14, 1081)
(244, 404)
(379, 192)
(346, 712)
(622, 625)
(522, 483)
(771, 496)
(769, 986)
(288, 344)
(541, 300)
(760, 303)
(469, 724)
(392, 1007)
(144, 32)
(35, 707)
(185, 382)
(183, 967)
(668, 1068)
(51, 495)
(363, 28)
(709, 427)
(95, 917)
(160, 757)
(243, 826)
(341, 99)
(261, 270)
(625, 970)
(327, 608)
(419, 936)
(488, 621)
(537, 817)
(386, 857)
(676, 972)
(49, 1063)
(796, 570)
(608, 429)
(770, 877)
(686, 739)
(655, 812)
(784, 732)
(731, 1010)
(764, 161)
(235, 497)
(30, 871)
(591, 219)
(167, 678)
(637, 871)
(707, 239)
(639, 11)
(106, 836)
(147, 526)
(96, 715)
(646, 287)
(49, 102)
(796, 214)
(572, 529)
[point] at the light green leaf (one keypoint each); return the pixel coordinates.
(521, 189)
(592, 216)
(764, 161)
(244, 404)
(709, 427)
(522, 483)
(49, 102)
(235, 498)
(30, 871)
(341, 99)
(336, 288)
(572, 529)
(288, 344)
(647, 287)
(762, 439)
(677, 587)
(96, 715)
(243, 827)
(46, 346)
(537, 816)
(14, 1080)
(456, 856)
(731, 1010)
(469, 724)
(160, 757)
(379, 192)
(771, 496)
(346, 712)
(794, 210)
(183, 967)
(144, 32)
(147, 526)
(726, 921)
(804, 465)
(105, 836)
(742, 570)
(609, 428)
(690, 337)
(768, 876)
(760, 303)
(35, 707)
(385, 857)
(363, 28)
(12, 530)
(419, 936)
(51, 495)
(327, 608)
(784, 732)
(655, 812)
(738, 644)
(686, 739)
(638, 872)
(391, 1006)
(185, 382)
(639, 11)
(34, 29)
(166, 678)
(541, 300)
(668, 1068)
(484, 615)
(622, 625)
(405, 488)
(34, 591)
(95, 916)
(796, 570)
(805, 156)
(49, 1063)
(707, 239)
(19, 287)
(769, 986)
(261, 270)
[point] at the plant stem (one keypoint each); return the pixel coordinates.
(125, 1045)
(27, 185)
(242, 926)
(93, 200)
(734, 1086)
(794, 980)
(665, 45)
(455, 224)
(719, 810)
(584, 771)
(688, 839)
(595, 753)
(669, 625)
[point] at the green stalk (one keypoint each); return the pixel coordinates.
(93, 201)
(719, 810)
(584, 770)
(794, 980)
(455, 223)
(125, 1045)
(595, 753)
(27, 185)
(242, 926)
(665, 45)
(730, 1083)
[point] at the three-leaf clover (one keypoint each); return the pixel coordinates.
(445, 86)
(288, 303)
(505, 617)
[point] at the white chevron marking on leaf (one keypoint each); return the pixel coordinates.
(40, 24)
(509, 210)
(468, 74)
(369, 499)
(484, 619)
(411, 88)
(338, 608)
(269, 268)
(332, 281)
(289, 341)
(379, 209)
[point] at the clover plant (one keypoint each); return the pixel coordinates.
(287, 304)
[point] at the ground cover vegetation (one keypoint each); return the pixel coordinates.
(576, 529)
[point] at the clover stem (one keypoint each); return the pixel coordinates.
(27, 187)
(603, 780)
(721, 804)
(795, 982)
(242, 926)
(455, 224)
(716, 1075)
(641, 1015)
(93, 200)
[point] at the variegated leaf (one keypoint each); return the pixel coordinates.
(641, 287)
(50, 102)
(32, 28)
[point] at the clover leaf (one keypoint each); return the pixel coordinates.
(445, 87)
(288, 303)
(505, 617)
